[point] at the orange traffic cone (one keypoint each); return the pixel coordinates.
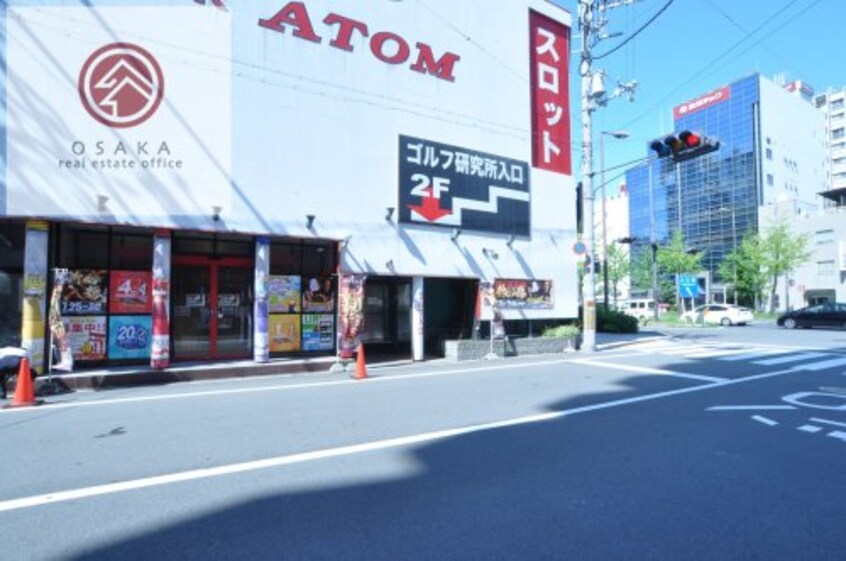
(24, 392)
(360, 366)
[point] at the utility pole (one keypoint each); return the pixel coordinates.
(593, 95)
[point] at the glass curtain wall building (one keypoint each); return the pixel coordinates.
(714, 200)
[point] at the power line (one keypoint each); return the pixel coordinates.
(636, 33)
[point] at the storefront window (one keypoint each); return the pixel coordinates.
(12, 237)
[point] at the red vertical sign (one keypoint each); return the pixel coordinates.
(550, 54)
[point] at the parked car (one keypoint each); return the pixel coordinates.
(719, 314)
(828, 314)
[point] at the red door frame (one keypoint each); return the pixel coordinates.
(213, 263)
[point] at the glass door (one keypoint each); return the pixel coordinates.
(212, 308)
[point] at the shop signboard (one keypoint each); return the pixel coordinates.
(458, 187)
(130, 337)
(319, 295)
(283, 294)
(523, 293)
(130, 292)
(318, 332)
(284, 333)
(87, 337)
(85, 292)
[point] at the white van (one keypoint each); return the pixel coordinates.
(641, 308)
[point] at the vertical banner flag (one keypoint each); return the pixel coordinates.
(261, 340)
(160, 351)
(350, 313)
(34, 297)
(550, 55)
(58, 331)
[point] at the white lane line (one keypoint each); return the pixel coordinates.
(645, 370)
(810, 428)
(282, 387)
(751, 408)
(715, 352)
(790, 358)
(823, 364)
(191, 475)
(827, 422)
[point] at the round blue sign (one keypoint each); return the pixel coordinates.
(579, 248)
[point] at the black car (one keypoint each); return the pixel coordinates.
(829, 314)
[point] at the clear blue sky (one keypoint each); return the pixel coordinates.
(696, 46)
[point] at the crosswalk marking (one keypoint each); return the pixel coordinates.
(790, 358)
(753, 354)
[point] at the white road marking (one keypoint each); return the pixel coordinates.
(191, 475)
(645, 370)
(827, 422)
(756, 353)
(751, 408)
(791, 358)
(823, 364)
(810, 428)
(768, 422)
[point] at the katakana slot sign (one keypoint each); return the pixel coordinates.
(549, 55)
(455, 187)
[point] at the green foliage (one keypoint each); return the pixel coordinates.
(748, 262)
(618, 267)
(784, 251)
(613, 321)
(566, 331)
(675, 259)
(641, 269)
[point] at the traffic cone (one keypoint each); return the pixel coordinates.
(360, 366)
(24, 392)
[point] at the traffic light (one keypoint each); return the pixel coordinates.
(684, 146)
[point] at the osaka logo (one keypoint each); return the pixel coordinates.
(121, 85)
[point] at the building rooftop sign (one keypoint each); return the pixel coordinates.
(701, 102)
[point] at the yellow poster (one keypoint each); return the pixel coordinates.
(284, 333)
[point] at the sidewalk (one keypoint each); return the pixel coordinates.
(140, 375)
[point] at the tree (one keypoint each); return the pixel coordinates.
(617, 262)
(640, 268)
(783, 252)
(676, 259)
(747, 263)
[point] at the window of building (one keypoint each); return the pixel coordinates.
(770, 180)
(769, 153)
(837, 104)
(837, 134)
(824, 237)
(825, 267)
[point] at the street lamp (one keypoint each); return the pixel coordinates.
(620, 135)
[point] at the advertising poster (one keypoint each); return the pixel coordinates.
(85, 292)
(130, 337)
(318, 332)
(319, 295)
(522, 293)
(34, 297)
(284, 333)
(130, 292)
(87, 337)
(350, 312)
(456, 187)
(283, 294)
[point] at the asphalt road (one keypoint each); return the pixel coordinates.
(724, 443)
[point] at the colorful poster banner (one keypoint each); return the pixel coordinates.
(130, 337)
(319, 295)
(522, 293)
(284, 294)
(550, 93)
(350, 313)
(318, 332)
(284, 333)
(130, 292)
(86, 292)
(58, 332)
(87, 337)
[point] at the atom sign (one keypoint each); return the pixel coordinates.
(121, 85)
